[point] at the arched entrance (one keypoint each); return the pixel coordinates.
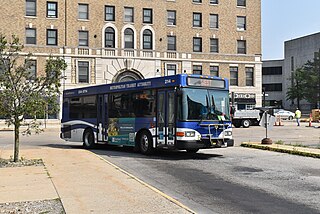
(127, 75)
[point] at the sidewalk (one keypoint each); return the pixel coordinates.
(83, 181)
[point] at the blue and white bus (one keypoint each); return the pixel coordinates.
(184, 112)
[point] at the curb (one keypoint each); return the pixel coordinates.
(145, 184)
(294, 150)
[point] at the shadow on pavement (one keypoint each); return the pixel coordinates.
(114, 151)
(124, 151)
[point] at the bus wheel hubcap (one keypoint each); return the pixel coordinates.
(145, 142)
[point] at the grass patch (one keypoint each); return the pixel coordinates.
(297, 145)
(20, 163)
(279, 142)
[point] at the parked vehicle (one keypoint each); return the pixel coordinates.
(284, 114)
(246, 118)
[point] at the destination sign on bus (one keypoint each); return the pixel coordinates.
(193, 81)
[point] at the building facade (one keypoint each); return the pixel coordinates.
(277, 74)
(297, 52)
(272, 83)
(112, 41)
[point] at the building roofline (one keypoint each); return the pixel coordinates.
(302, 37)
(272, 60)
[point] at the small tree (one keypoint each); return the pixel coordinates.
(22, 94)
(306, 83)
(312, 82)
(296, 91)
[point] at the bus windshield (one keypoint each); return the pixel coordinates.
(203, 104)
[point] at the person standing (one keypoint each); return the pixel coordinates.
(297, 116)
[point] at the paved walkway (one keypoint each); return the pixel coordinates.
(84, 182)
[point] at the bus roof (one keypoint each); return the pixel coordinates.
(182, 80)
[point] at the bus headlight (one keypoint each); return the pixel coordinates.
(190, 133)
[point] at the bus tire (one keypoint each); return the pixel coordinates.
(88, 139)
(237, 124)
(246, 123)
(145, 143)
(192, 151)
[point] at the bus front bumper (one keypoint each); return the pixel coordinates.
(204, 144)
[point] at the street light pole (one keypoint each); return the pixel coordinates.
(264, 97)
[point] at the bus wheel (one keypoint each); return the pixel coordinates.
(88, 139)
(192, 150)
(145, 143)
(246, 123)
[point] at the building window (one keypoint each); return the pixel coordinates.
(197, 20)
(128, 38)
(272, 87)
(31, 36)
(147, 39)
(234, 76)
(214, 71)
(32, 69)
(197, 69)
(147, 15)
(214, 46)
(241, 23)
(31, 8)
(171, 17)
(214, 1)
(197, 44)
(52, 9)
(272, 70)
(83, 11)
(128, 14)
(83, 38)
(197, 1)
(172, 43)
(241, 3)
(249, 76)
(241, 47)
(292, 63)
(52, 37)
(109, 38)
(171, 69)
(83, 72)
(110, 13)
(214, 21)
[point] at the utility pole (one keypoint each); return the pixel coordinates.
(264, 97)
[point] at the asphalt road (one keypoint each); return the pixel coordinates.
(231, 180)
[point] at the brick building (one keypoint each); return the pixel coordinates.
(110, 41)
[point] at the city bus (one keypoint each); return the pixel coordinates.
(181, 112)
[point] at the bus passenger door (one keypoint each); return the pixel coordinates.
(102, 122)
(166, 118)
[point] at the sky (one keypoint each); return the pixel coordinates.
(283, 20)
